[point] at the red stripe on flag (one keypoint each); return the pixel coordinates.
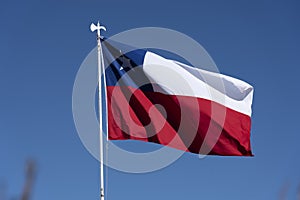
(225, 131)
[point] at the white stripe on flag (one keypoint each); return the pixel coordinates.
(179, 79)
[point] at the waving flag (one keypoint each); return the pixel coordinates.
(154, 99)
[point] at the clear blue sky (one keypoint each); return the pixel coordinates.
(42, 44)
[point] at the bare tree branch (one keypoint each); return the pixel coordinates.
(298, 192)
(283, 192)
(30, 177)
(2, 190)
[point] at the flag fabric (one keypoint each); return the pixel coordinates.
(154, 99)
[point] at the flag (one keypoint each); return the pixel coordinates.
(154, 99)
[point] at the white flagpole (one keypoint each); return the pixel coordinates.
(93, 27)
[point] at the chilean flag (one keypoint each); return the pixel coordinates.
(154, 99)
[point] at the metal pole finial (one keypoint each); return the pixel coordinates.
(97, 27)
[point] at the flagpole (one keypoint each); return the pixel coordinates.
(93, 27)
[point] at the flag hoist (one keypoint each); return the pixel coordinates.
(101, 69)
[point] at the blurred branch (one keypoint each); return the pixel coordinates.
(298, 192)
(2, 190)
(30, 177)
(283, 192)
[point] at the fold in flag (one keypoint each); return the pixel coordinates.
(154, 99)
